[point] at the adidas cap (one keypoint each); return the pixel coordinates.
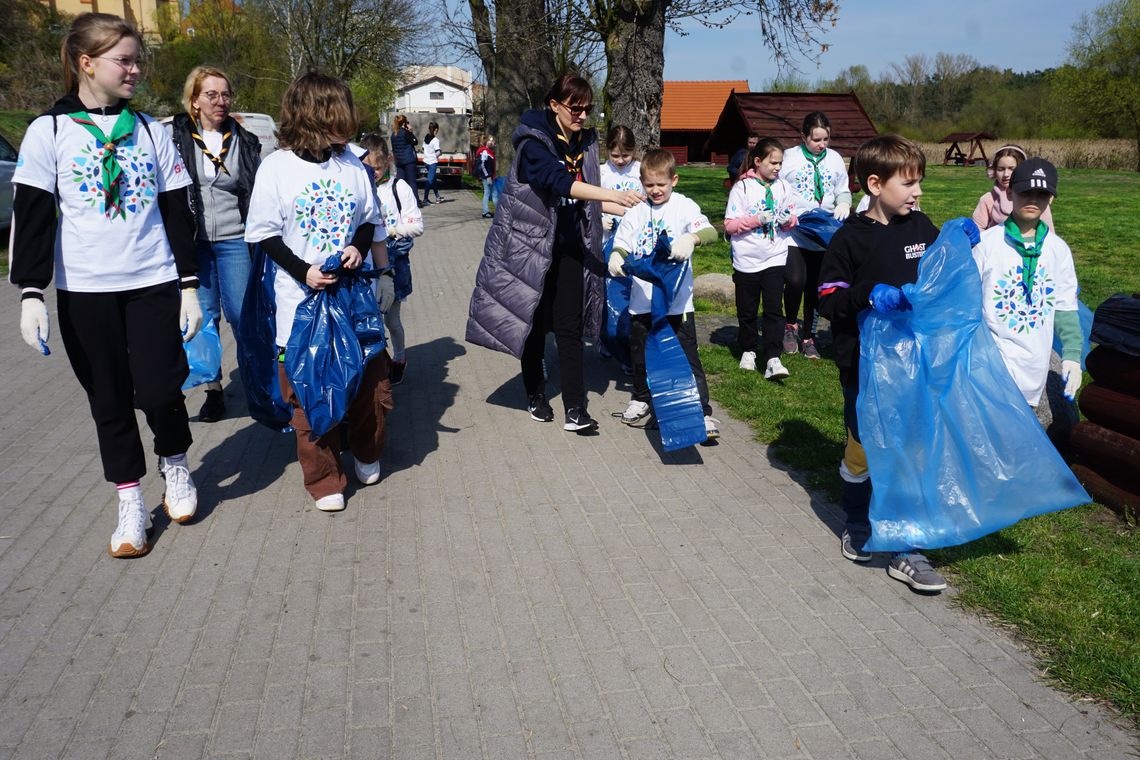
(1034, 174)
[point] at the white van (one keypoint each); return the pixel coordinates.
(263, 127)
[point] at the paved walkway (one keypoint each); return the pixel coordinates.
(508, 591)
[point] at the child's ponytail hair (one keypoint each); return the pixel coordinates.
(1016, 152)
(620, 136)
(763, 148)
(377, 145)
(91, 34)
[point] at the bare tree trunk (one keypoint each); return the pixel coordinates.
(635, 61)
(518, 62)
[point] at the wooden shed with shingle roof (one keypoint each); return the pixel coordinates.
(689, 111)
(781, 115)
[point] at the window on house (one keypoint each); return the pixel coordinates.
(435, 95)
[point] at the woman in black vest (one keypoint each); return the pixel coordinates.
(221, 158)
(543, 256)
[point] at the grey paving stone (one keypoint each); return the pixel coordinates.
(508, 591)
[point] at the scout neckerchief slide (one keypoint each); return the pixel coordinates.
(1029, 256)
(815, 161)
(676, 400)
(219, 161)
(106, 146)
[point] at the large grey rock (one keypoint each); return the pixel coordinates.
(715, 287)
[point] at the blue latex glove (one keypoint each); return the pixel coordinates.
(972, 231)
(887, 298)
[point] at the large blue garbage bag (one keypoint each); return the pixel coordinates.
(335, 332)
(615, 331)
(257, 348)
(676, 400)
(954, 451)
(815, 229)
(204, 355)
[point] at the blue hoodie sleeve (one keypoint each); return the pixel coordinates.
(541, 170)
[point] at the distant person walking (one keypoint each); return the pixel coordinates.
(432, 152)
(542, 263)
(485, 170)
(221, 159)
(404, 144)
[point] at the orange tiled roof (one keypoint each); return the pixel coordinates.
(696, 105)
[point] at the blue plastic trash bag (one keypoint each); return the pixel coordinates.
(257, 348)
(335, 332)
(204, 355)
(953, 450)
(399, 250)
(815, 229)
(615, 331)
(676, 400)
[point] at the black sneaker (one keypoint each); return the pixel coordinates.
(578, 420)
(852, 548)
(540, 409)
(396, 374)
(214, 409)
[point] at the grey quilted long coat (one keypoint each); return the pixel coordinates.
(518, 251)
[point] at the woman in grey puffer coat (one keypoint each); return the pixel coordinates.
(542, 267)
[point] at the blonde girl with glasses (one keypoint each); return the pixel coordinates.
(123, 262)
(221, 159)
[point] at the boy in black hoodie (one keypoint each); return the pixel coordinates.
(868, 260)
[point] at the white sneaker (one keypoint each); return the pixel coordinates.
(181, 497)
(129, 538)
(748, 360)
(712, 428)
(635, 412)
(775, 370)
(331, 503)
(367, 474)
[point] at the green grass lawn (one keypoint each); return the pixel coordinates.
(1070, 581)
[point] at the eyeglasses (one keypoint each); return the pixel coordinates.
(577, 110)
(125, 62)
(213, 96)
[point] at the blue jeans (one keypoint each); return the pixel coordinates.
(223, 270)
(490, 193)
(429, 183)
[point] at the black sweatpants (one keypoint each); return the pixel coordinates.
(559, 310)
(126, 350)
(767, 285)
(685, 326)
(801, 282)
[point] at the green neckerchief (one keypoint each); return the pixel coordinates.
(770, 205)
(1029, 255)
(815, 161)
(106, 145)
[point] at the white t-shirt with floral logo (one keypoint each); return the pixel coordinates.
(638, 235)
(626, 177)
(798, 172)
(763, 247)
(407, 212)
(315, 208)
(1023, 327)
(94, 252)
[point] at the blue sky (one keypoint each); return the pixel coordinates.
(1018, 36)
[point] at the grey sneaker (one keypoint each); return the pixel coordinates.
(810, 351)
(914, 569)
(852, 548)
(791, 339)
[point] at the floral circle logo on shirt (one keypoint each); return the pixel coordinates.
(324, 212)
(627, 183)
(647, 238)
(803, 181)
(138, 184)
(1012, 307)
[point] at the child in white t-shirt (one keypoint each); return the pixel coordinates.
(681, 219)
(123, 260)
(621, 171)
(757, 219)
(1029, 286)
(403, 221)
(312, 199)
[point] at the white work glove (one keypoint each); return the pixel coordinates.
(842, 211)
(34, 325)
(617, 262)
(1071, 375)
(386, 293)
(764, 216)
(190, 315)
(683, 247)
(404, 230)
(609, 221)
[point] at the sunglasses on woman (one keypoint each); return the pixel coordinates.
(577, 110)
